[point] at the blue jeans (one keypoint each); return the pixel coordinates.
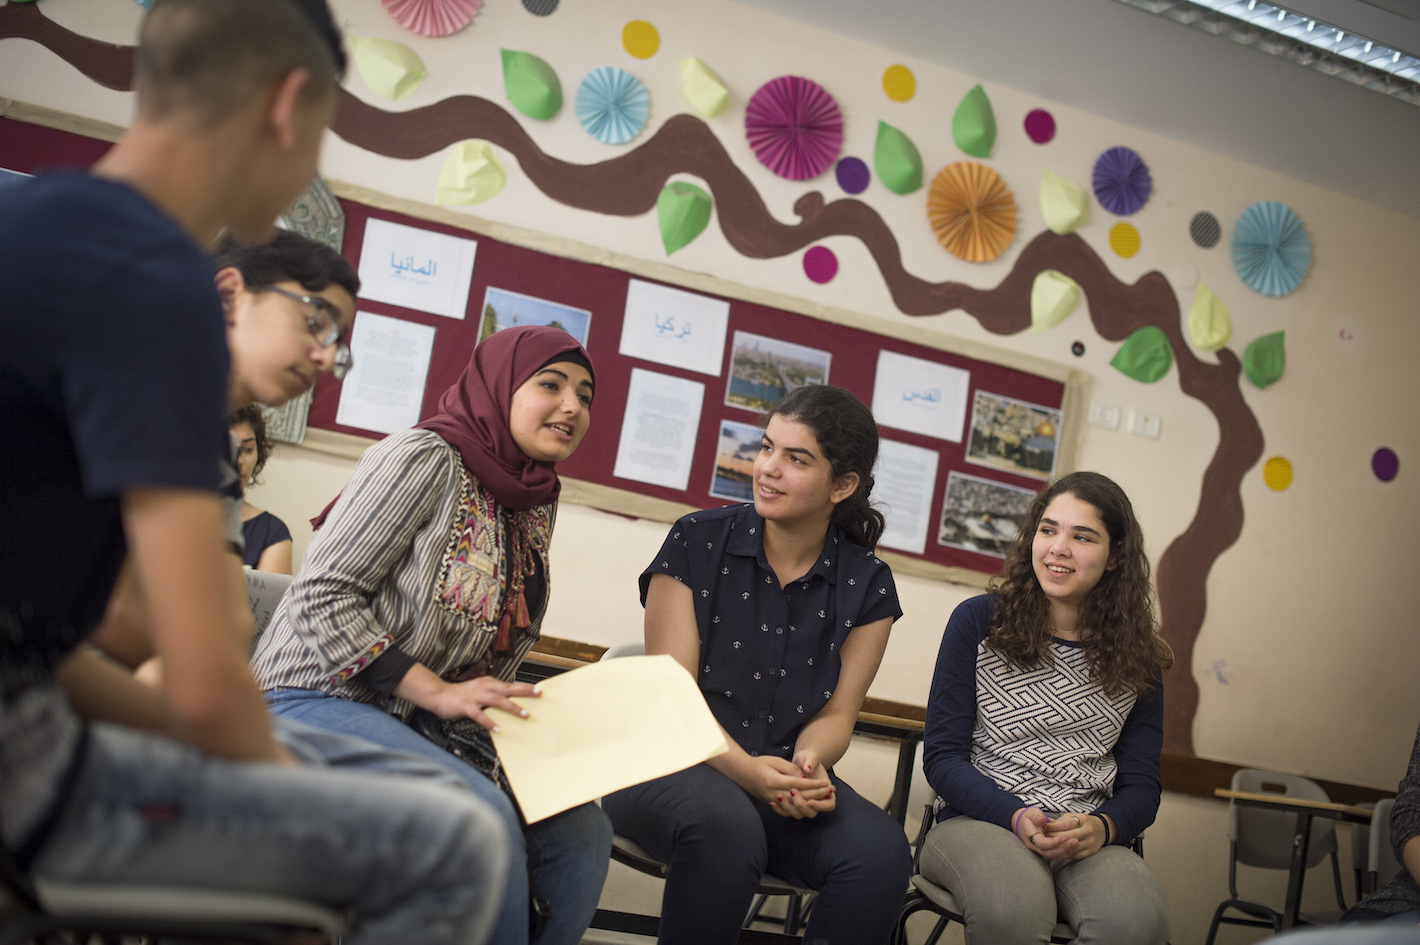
(717, 842)
(419, 861)
(568, 853)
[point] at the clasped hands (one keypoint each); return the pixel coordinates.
(799, 788)
(1067, 837)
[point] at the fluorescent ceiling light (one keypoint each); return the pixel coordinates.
(1301, 39)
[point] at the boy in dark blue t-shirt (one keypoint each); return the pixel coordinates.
(113, 389)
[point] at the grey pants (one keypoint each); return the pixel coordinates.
(1009, 895)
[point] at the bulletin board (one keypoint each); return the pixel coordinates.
(1032, 402)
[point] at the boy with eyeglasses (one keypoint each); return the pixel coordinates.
(113, 393)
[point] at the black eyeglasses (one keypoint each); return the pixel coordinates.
(324, 325)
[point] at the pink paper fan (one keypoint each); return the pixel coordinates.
(433, 17)
(794, 127)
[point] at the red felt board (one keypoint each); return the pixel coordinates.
(602, 290)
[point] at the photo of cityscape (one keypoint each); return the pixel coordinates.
(1013, 435)
(981, 515)
(762, 370)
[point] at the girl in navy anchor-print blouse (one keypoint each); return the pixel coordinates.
(782, 611)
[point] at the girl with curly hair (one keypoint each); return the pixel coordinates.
(1044, 729)
(268, 540)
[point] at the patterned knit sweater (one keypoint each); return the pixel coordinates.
(999, 738)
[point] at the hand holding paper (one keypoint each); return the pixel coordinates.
(602, 728)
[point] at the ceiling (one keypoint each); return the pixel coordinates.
(1161, 76)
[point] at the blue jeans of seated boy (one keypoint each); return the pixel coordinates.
(569, 853)
(417, 857)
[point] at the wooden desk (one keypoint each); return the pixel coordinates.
(879, 718)
(1305, 810)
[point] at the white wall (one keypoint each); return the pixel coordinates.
(1305, 657)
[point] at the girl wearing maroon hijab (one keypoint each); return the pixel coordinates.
(424, 588)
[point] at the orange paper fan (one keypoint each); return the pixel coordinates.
(971, 211)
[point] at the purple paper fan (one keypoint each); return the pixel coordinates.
(1122, 181)
(794, 127)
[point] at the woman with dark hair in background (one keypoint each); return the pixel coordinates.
(268, 540)
(781, 611)
(1044, 730)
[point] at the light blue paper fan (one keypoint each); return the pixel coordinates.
(1271, 249)
(612, 105)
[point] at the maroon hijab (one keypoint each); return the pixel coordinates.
(473, 413)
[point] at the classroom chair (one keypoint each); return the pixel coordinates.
(113, 911)
(631, 854)
(927, 896)
(1263, 839)
(264, 591)
(1381, 864)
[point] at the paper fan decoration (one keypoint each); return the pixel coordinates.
(971, 211)
(794, 127)
(1122, 181)
(1271, 249)
(612, 105)
(433, 17)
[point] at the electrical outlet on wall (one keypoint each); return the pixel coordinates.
(1144, 424)
(1104, 415)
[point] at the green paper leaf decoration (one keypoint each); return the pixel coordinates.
(896, 160)
(1053, 296)
(1265, 359)
(532, 85)
(1145, 355)
(683, 210)
(1063, 205)
(974, 124)
(1210, 327)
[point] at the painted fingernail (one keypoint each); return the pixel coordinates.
(537, 690)
(793, 793)
(523, 713)
(779, 796)
(497, 728)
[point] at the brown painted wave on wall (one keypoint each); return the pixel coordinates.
(628, 185)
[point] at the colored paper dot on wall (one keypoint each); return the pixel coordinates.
(640, 39)
(1040, 126)
(1204, 229)
(1078, 349)
(1385, 464)
(1277, 473)
(852, 175)
(899, 83)
(1124, 239)
(540, 7)
(820, 265)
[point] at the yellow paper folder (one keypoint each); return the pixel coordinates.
(602, 728)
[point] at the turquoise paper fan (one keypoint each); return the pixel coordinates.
(1271, 249)
(612, 105)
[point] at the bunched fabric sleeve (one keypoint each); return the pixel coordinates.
(951, 718)
(1138, 780)
(396, 488)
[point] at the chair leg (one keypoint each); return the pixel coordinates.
(937, 932)
(791, 914)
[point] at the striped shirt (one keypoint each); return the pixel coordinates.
(412, 555)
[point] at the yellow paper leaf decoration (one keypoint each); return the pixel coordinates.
(1053, 297)
(1064, 206)
(471, 174)
(971, 211)
(1209, 325)
(392, 70)
(702, 88)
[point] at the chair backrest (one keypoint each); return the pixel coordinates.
(1381, 861)
(1264, 838)
(264, 591)
(628, 648)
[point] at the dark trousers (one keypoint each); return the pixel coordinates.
(717, 842)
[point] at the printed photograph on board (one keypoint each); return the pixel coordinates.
(734, 461)
(982, 515)
(504, 309)
(1013, 435)
(762, 370)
